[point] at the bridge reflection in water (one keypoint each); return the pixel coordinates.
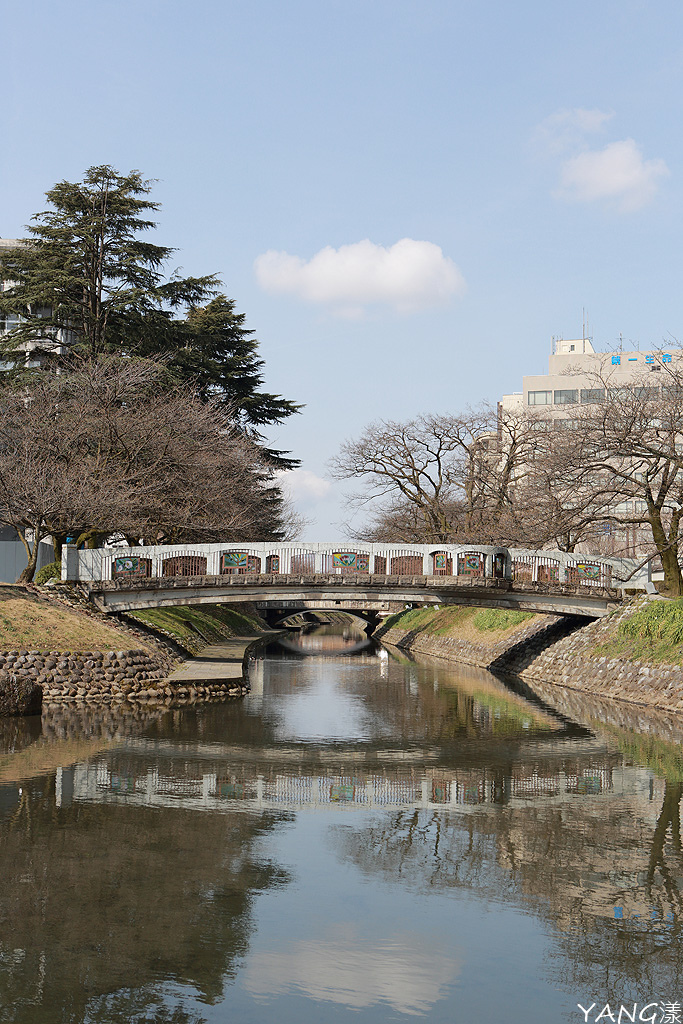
(257, 853)
(227, 791)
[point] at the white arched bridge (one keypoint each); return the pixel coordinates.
(351, 577)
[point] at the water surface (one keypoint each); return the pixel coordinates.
(363, 838)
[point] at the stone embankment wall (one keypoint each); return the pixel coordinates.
(58, 676)
(605, 715)
(572, 663)
(560, 651)
(31, 679)
(492, 654)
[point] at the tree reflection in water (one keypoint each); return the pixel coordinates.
(98, 898)
(135, 900)
(607, 880)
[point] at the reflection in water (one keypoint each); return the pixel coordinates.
(327, 640)
(356, 973)
(361, 838)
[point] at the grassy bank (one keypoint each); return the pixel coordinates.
(194, 626)
(28, 622)
(654, 633)
(481, 625)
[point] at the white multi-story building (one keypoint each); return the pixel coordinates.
(571, 378)
(577, 376)
(9, 320)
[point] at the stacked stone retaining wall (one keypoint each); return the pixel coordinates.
(535, 636)
(31, 678)
(560, 651)
(573, 663)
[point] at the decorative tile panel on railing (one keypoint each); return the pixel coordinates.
(472, 562)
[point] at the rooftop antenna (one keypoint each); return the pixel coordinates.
(621, 342)
(583, 328)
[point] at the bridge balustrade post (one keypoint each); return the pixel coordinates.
(426, 566)
(213, 563)
(318, 562)
(157, 564)
(564, 567)
(488, 565)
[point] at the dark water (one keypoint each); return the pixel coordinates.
(362, 839)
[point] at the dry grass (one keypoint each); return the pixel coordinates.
(654, 633)
(482, 626)
(29, 624)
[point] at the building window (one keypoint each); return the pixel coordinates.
(592, 395)
(566, 397)
(566, 424)
(540, 398)
(8, 321)
(646, 394)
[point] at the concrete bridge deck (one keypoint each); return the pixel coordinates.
(362, 592)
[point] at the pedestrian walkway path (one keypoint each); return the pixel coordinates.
(218, 661)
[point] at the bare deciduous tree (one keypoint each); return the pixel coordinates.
(108, 447)
(620, 465)
(439, 478)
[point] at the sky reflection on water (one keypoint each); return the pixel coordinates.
(362, 838)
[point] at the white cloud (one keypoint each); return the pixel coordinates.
(303, 485)
(408, 275)
(566, 129)
(618, 172)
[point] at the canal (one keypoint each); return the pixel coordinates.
(364, 838)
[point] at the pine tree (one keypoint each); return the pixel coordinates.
(86, 282)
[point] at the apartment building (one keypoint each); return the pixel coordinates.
(570, 381)
(9, 320)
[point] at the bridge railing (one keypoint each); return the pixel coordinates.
(354, 560)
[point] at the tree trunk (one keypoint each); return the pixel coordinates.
(673, 582)
(29, 572)
(58, 540)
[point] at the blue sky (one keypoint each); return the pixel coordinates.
(529, 153)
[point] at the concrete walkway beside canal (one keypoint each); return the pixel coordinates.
(216, 662)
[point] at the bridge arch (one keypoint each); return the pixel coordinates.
(362, 617)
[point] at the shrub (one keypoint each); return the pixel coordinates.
(52, 571)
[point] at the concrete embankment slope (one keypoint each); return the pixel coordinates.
(472, 636)
(633, 655)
